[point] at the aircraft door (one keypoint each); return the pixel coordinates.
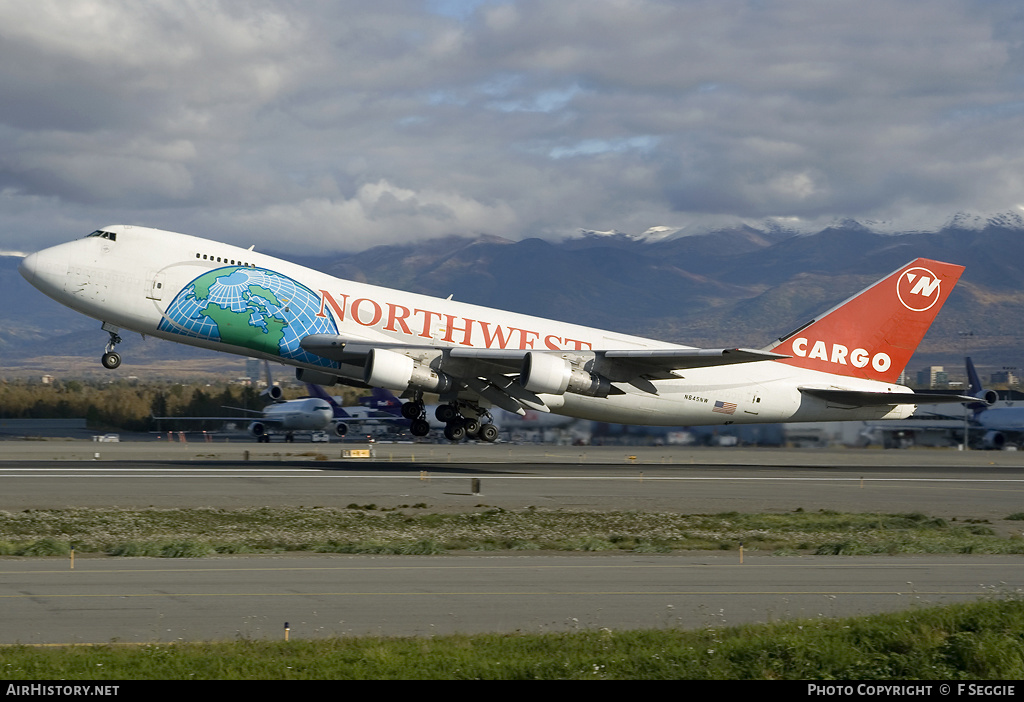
(155, 286)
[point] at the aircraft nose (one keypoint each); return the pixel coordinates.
(28, 267)
(46, 270)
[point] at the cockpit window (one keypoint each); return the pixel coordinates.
(105, 235)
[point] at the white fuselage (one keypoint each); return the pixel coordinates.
(132, 281)
(307, 414)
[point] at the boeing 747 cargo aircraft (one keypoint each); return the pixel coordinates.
(842, 365)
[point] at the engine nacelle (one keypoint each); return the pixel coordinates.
(257, 429)
(989, 397)
(551, 375)
(340, 429)
(272, 393)
(304, 375)
(993, 440)
(544, 373)
(396, 371)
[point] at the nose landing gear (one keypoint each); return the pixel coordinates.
(110, 359)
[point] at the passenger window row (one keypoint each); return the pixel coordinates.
(230, 262)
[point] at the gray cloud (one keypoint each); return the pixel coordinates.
(347, 124)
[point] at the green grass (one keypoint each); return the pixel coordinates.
(982, 640)
(416, 530)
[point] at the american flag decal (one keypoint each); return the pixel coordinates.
(724, 407)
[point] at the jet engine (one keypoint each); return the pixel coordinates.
(549, 374)
(989, 397)
(257, 429)
(340, 429)
(396, 371)
(272, 394)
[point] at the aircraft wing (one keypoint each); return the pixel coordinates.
(372, 418)
(860, 398)
(633, 361)
(272, 420)
(486, 371)
(662, 363)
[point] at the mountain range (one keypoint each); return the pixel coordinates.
(741, 284)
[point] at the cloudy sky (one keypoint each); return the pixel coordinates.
(340, 125)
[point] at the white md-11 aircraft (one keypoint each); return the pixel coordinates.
(842, 365)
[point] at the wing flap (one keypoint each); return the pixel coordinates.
(661, 364)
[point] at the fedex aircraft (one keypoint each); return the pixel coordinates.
(306, 414)
(843, 365)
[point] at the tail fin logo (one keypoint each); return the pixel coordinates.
(874, 333)
(918, 289)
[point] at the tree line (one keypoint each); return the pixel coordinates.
(134, 405)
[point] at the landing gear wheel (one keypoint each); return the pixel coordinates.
(111, 360)
(419, 427)
(446, 413)
(472, 426)
(412, 410)
(488, 433)
(455, 432)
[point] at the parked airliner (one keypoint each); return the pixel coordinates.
(315, 413)
(842, 365)
(985, 425)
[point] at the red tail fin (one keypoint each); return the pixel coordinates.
(874, 333)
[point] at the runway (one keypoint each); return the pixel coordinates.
(44, 601)
(946, 484)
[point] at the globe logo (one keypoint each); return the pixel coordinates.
(250, 307)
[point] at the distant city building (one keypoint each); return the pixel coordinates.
(933, 377)
(252, 369)
(1006, 376)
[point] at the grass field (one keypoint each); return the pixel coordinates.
(981, 641)
(415, 529)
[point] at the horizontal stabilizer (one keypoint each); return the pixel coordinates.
(862, 398)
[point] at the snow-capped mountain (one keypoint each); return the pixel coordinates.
(970, 221)
(793, 226)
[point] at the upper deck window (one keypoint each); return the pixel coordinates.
(105, 235)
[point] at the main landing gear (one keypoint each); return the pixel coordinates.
(457, 426)
(415, 412)
(462, 421)
(110, 359)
